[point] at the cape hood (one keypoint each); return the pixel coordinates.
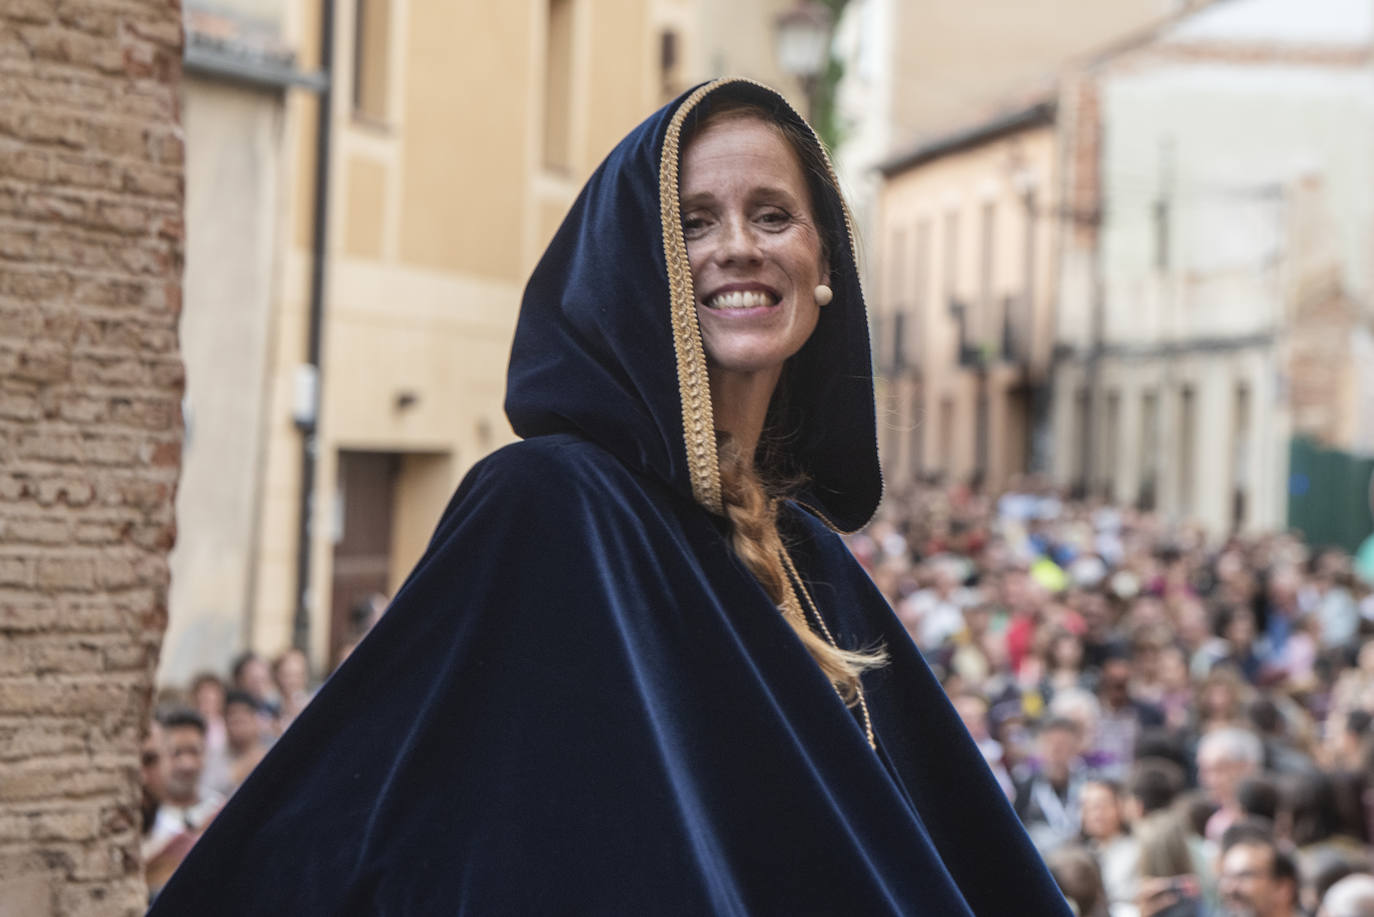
(608, 347)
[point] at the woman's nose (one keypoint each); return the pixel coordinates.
(738, 242)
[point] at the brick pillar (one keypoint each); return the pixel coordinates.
(90, 434)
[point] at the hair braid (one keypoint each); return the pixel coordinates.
(757, 542)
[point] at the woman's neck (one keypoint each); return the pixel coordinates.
(739, 404)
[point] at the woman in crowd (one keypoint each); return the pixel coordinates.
(1109, 837)
(637, 671)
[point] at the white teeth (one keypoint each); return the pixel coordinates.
(740, 299)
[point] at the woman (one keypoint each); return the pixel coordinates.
(1170, 879)
(626, 678)
(1107, 835)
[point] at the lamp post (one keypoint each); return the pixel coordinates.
(803, 42)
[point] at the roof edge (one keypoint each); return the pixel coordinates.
(1040, 114)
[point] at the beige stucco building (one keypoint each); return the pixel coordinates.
(965, 240)
(947, 143)
(459, 134)
(1219, 303)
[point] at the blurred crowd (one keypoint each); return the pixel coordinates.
(206, 737)
(203, 742)
(1183, 726)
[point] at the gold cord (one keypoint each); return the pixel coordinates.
(815, 613)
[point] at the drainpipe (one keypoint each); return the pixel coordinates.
(309, 378)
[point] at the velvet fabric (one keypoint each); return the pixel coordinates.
(581, 702)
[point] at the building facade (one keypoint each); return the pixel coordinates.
(456, 137)
(966, 231)
(238, 74)
(1215, 302)
(934, 104)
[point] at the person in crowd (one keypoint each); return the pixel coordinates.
(1078, 876)
(1122, 716)
(1351, 896)
(207, 697)
(1236, 644)
(1048, 801)
(935, 614)
(152, 776)
(1220, 700)
(291, 675)
(1342, 747)
(1063, 665)
(1330, 594)
(1225, 757)
(1171, 879)
(1256, 878)
(252, 675)
(973, 711)
(1282, 755)
(1258, 798)
(1282, 610)
(1108, 835)
(637, 670)
(1324, 823)
(1152, 786)
(248, 743)
(185, 809)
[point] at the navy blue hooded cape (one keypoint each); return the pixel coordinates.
(581, 702)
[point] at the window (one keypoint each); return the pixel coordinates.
(1082, 425)
(917, 442)
(1187, 420)
(558, 68)
(1240, 455)
(987, 321)
(668, 64)
(1149, 449)
(1111, 446)
(897, 300)
(371, 59)
(920, 301)
(1023, 323)
(947, 437)
(951, 278)
(1161, 233)
(896, 272)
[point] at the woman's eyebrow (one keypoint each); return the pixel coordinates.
(759, 192)
(696, 199)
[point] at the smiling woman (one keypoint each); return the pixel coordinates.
(755, 255)
(635, 672)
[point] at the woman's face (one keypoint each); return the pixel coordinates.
(753, 245)
(1066, 652)
(1100, 813)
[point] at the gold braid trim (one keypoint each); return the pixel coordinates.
(792, 607)
(694, 388)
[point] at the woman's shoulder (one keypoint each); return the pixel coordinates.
(555, 479)
(558, 464)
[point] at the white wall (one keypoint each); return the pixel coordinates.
(233, 146)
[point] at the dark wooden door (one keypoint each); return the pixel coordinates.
(362, 554)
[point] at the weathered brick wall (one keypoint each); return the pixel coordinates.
(90, 434)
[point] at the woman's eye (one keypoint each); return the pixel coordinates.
(775, 218)
(693, 225)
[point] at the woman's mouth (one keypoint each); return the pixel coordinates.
(741, 299)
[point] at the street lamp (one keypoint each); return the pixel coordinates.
(803, 37)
